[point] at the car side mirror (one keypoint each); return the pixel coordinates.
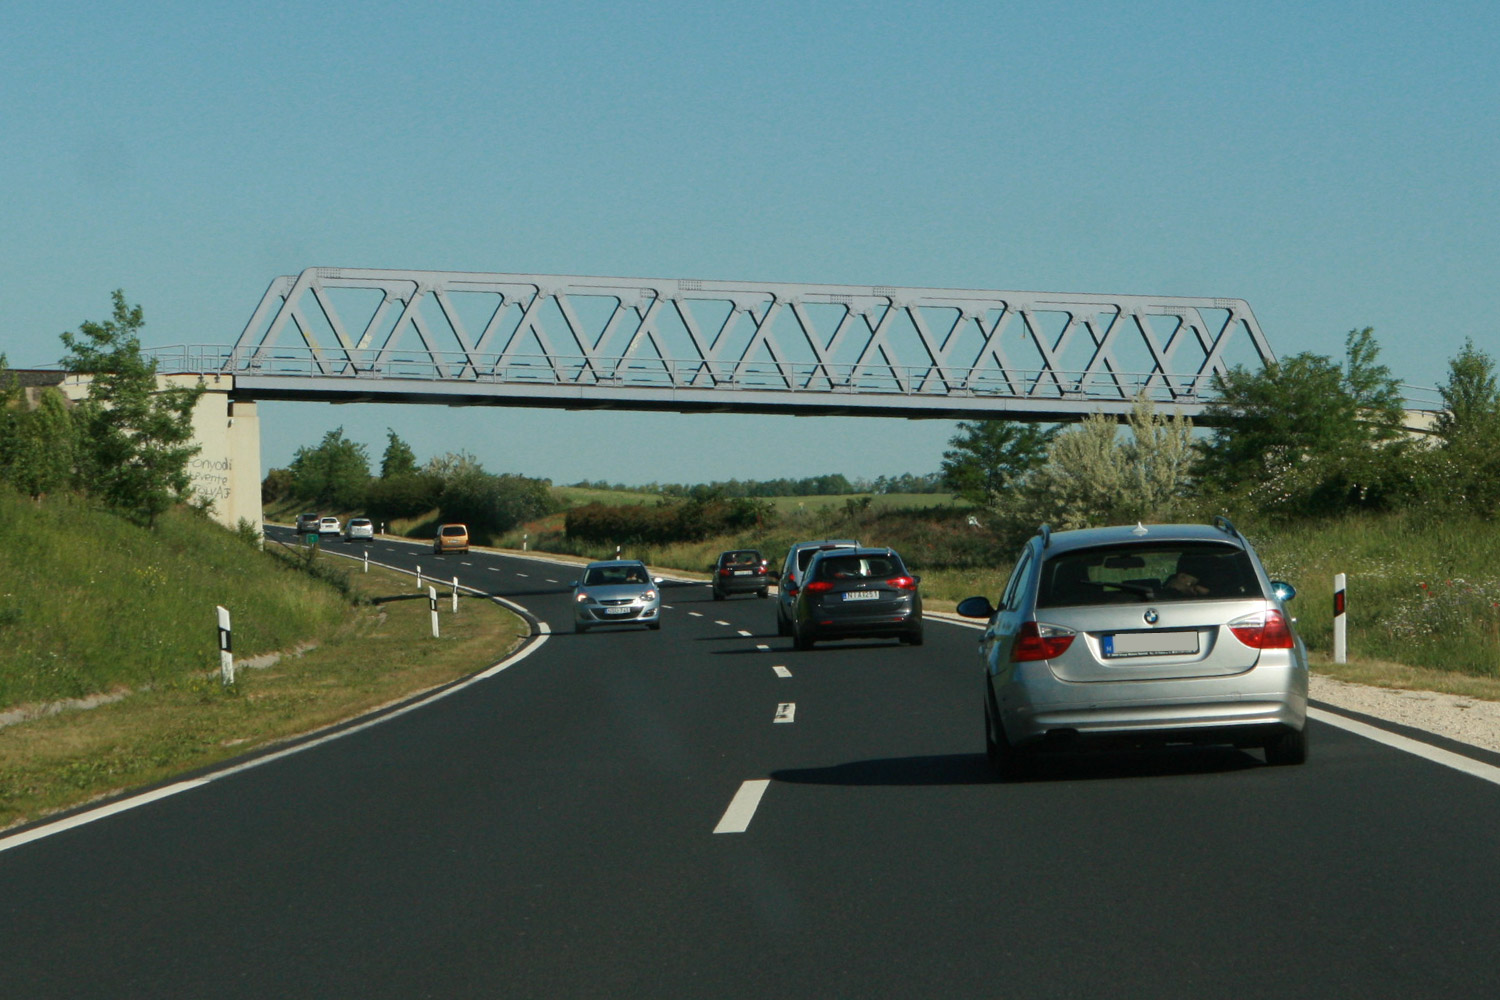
(572, 583)
(1284, 591)
(976, 607)
(656, 580)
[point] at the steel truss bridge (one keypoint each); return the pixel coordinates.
(347, 335)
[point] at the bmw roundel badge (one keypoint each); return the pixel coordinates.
(1151, 616)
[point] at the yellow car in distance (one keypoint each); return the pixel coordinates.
(451, 538)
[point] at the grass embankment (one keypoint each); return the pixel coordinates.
(95, 606)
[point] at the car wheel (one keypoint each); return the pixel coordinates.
(763, 593)
(718, 596)
(654, 626)
(580, 628)
(801, 639)
(1008, 763)
(1287, 747)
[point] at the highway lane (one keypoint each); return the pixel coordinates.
(549, 832)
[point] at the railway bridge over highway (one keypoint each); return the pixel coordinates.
(687, 345)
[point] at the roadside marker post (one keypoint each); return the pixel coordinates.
(455, 595)
(432, 606)
(226, 646)
(1340, 635)
(525, 539)
(419, 577)
(367, 560)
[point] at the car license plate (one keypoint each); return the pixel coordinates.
(618, 611)
(862, 595)
(742, 572)
(1149, 643)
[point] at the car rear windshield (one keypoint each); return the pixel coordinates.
(858, 568)
(455, 529)
(1188, 571)
(740, 558)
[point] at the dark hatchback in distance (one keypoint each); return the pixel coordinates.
(856, 594)
(741, 571)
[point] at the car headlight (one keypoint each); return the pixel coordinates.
(581, 597)
(649, 595)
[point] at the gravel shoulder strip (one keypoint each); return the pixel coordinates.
(1464, 720)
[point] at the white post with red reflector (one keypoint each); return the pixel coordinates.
(432, 608)
(1340, 637)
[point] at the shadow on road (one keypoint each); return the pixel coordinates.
(973, 769)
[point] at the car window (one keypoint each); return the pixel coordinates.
(857, 567)
(1010, 598)
(454, 529)
(1158, 572)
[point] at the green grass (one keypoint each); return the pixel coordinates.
(90, 602)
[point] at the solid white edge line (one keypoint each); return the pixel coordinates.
(741, 811)
(145, 798)
(1437, 755)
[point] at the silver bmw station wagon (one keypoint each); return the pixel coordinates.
(1142, 635)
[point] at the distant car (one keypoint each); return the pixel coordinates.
(741, 571)
(616, 592)
(359, 529)
(855, 594)
(328, 526)
(308, 523)
(450, 538)
(797, 558)
(1141, 635)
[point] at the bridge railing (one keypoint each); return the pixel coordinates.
(666, 373)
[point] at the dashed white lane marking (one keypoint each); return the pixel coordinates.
(781, 671)
(1437, 755)
(465, 564)
(741, 811)
(523, 574)
(761, 646)
(743, 632)
(717, 622)
(550, 580)
(786, 712)
(493, 569)
(695, 614)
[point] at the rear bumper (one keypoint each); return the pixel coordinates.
(1243, 707)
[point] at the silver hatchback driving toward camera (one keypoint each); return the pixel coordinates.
(1141, 635)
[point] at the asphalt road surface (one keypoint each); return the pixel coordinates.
(550, 831)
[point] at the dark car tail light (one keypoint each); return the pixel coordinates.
(725, 572)
(1036, 641)
(1263, 630)
(819, 587)
(902, 583)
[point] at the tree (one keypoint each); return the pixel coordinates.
(37, 455)
(133, 436)
(1091, 477)
(399, 460)
(1470, 420)
(1305, 435)
(335, 473)
(989, 455)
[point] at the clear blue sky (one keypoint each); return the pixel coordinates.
(1334, 163)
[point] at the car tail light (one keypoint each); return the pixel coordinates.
(819, 587)
(1263, 630)
(1036, 641)
(725, 572)
(902, 583)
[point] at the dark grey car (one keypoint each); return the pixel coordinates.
(741, 571)
(1141, 635)
(856, 594)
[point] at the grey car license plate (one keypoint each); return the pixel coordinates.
(862, 595)
(618, 611)
(1149, 643)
